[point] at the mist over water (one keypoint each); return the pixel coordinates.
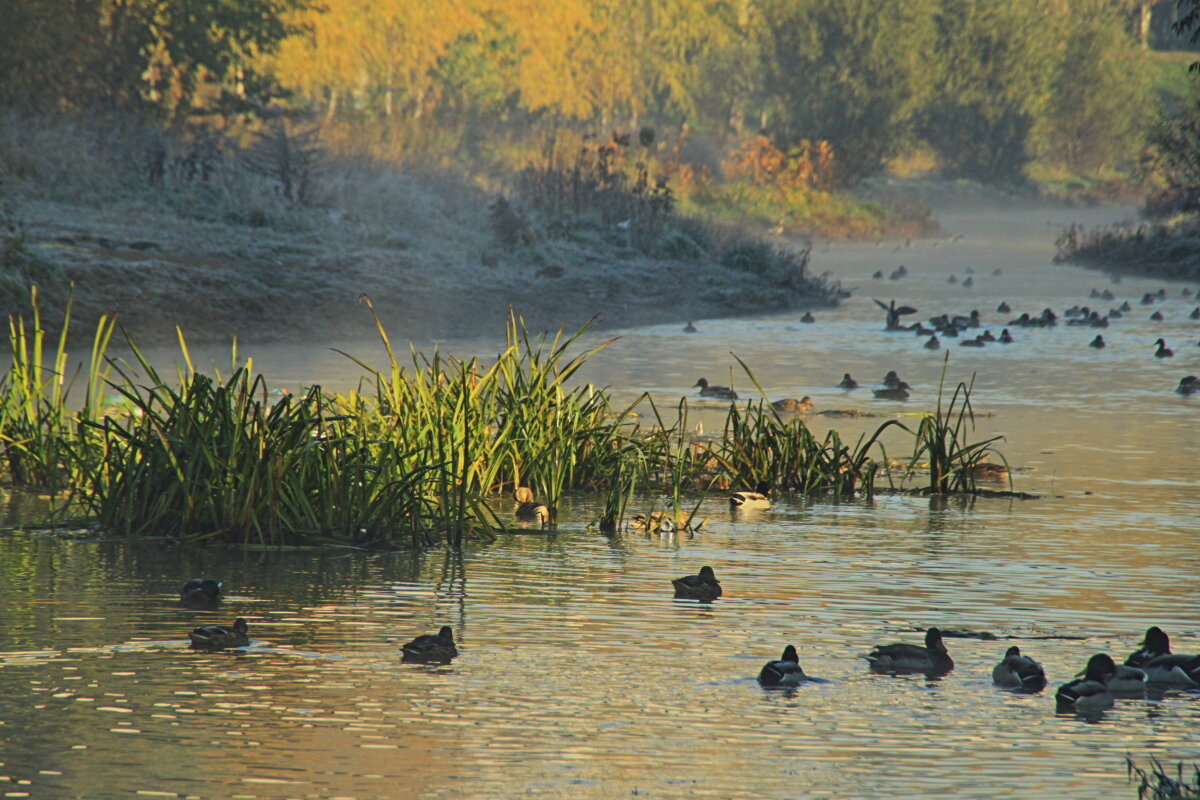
(580, 677)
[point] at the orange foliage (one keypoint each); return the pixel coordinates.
(757, 161)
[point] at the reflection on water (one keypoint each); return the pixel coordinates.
(580, 676)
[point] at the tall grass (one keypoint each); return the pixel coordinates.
(1156, 783)
(420, 452)
(941, 440)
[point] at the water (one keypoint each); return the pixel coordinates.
(580, 677)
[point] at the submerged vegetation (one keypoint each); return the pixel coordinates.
(420, 452)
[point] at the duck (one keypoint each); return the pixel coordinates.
(1195, 313)
(1019, 672)
(984, 470)
(703, 586)
(1189, 385)
(528, 509)
(1003, 308)
(933, 343)
(200, 592)
(664, 522)
(719, 392)
(891, 380)
(987, 336)
(1161, 665)
(932, 659)
(431, 648)
(1163, 351)
(802, 406)
(784, 672)
(898, 393)
(808, 317)
(847, 383)
(752, 500)
(1005, 337)
(689, 328)
(894, 313)
(1157, 316)
(1128, 681)
(219, 637)
(1098, 342)
(1089, 693)
(976, 342)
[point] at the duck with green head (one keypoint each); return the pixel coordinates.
(200, 592)
(784, 672)
(1090, 693)
(1019, 672)
(1163, 666)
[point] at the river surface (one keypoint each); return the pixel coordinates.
(580, 676)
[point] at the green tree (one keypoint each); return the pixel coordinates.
(851, 72)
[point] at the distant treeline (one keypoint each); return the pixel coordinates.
(985, 86)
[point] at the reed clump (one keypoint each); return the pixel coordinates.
(422, 451)
(1156, 783)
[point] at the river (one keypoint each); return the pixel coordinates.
(580, 676)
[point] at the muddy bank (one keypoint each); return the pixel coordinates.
(441, 275)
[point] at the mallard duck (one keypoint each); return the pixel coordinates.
(528, 509)
(804, 405)
(784, 672)
(1098, 342)
(1163, 666)
(1005, 337)
(1157, 316)
(976, 342)
(200, 592)
(894, 313)
(933, 343)
(1188, 385)
(808, 317)
(431, 648)
(219, 637)
(932, 659)
(1089, 693)
(1003, 308)
(1128, 681)
(756, 499)
(719, 392)
(847, 382)
(1163, 351)
(704, 586)
(1019, 672)
(898, 393)
(689, 328)
(891, 380)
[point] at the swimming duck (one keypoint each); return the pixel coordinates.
(704, 586)
(987, 336)
(1128, 681)
(892, 380)
(200, 592)
(808, 317)
(1003, 308)
(664, 522)
(968, 282)
(1189, 385)
(1098, 342)
(1156, 316)
(802, 406)
(984, 470)
(1019, 672)
(932, 659)
(1005, 337)
(1195, 313)
(1163, 351)
(784, 672)
(748, 500)
(976, 342)
(1089, 693)
(719, 392)
(689, 328)
(898, 393)
(933, 343)
(431, 648)
(219, 637)
(1163, 666)
(528, 509)
(848, 382)
(1125, 307)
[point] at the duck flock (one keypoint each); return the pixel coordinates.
(1096, 688)
(960, 326)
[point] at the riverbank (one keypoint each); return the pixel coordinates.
(1169, 250)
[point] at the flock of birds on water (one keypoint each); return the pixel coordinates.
(1098, 685)
(957, 326)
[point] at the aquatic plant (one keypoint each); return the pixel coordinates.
(1157, 784)
(37, 427)
(941, 442)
